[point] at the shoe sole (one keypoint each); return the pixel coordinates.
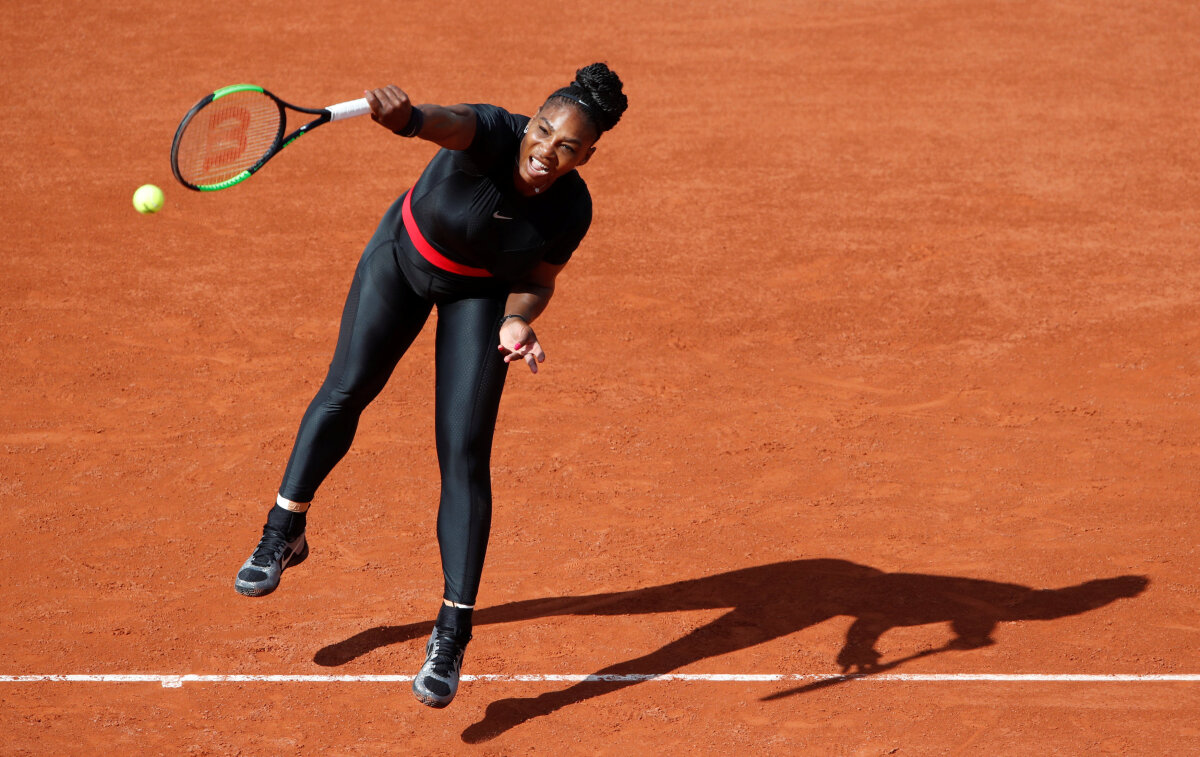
(430, 701)
(255, 590)
(247, 590)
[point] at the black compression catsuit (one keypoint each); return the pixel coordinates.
(465, 205)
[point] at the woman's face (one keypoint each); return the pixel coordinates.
(559, 139)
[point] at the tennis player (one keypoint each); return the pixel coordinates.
(483, 233)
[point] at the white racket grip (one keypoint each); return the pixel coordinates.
(349, 109)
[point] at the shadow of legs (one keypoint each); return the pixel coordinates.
(728, 633)
(371, 639)
(366, 641)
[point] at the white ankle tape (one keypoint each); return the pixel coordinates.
(287, 504)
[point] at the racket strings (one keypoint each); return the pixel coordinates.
(227, 137)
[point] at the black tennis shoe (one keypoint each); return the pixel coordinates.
(436, 682)
(260, 573)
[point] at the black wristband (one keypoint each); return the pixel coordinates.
(514, 315)
(416, 119)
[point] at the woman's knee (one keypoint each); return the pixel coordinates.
(338, 397)
(465, 457)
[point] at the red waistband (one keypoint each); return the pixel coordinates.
(427, 251)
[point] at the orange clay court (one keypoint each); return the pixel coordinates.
(881, 357)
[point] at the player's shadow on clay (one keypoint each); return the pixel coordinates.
(765, 603)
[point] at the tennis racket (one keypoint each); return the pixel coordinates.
(230, 134)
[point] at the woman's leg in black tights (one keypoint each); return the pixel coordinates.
(381, 318)
(470, 379)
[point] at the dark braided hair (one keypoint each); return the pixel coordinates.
(597, 92)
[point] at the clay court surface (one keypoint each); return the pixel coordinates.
(881, 354)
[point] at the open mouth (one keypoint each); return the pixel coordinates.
(537, 167)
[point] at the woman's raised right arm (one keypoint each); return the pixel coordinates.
(452, 127)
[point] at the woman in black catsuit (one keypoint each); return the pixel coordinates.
(482, 235)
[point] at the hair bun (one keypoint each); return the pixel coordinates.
(603, 89)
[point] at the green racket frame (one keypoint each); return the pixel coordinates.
(336, 112)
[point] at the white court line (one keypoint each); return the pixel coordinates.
(175, 681)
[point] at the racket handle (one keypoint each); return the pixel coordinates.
(349, 109)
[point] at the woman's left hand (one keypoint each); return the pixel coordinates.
(518, 342)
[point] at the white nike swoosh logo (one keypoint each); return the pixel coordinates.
(502, 218)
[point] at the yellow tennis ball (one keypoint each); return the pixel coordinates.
(148, 199)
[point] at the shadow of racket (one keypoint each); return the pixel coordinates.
(874, 670)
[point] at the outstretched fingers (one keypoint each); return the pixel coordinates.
(531, 353)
